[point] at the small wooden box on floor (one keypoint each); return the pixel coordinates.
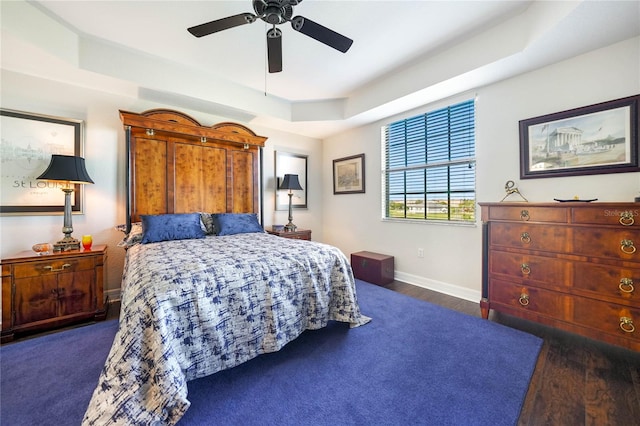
(372, 267)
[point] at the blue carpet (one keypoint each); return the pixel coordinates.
(415, 363)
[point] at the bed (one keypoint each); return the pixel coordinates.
(205, 291)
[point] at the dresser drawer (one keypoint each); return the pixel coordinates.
(608, 317)
(615, 282)
(526, 213)
(529, 298)
(526, 267)
(530, 236)
(628, 216)
(610, 243)
(35, 269)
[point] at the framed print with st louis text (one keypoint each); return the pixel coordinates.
(28, 141)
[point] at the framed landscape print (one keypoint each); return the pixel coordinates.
(600, 138)
(28, 141)
(348, 175)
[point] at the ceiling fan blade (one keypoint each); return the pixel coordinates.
(322, 34)
(274, 49)
(222, 24)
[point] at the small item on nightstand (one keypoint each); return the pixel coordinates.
(277, 228)
(637, 199)
(87, 241)
(42, 248)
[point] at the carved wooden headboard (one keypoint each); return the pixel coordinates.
(175, 165)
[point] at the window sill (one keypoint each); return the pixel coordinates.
(431, 222)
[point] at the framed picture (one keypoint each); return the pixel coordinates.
(600, 138)
(294, 164)
(28, 141)
(348, 175)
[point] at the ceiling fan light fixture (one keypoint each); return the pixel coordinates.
(276, 12)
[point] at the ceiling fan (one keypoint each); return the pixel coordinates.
(276, 12)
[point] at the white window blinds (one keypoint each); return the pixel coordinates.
(429, 165)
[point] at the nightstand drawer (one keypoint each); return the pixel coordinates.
(299, 234)
(35, 269)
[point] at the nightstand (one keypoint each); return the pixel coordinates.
(49, 291)
(299, 234)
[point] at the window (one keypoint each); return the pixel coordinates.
(429, 166)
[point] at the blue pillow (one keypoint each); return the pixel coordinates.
(167, 227)
(236, 223)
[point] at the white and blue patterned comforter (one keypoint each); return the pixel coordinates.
(191, 308)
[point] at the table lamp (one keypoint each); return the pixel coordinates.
(290, 182)
(70, 170)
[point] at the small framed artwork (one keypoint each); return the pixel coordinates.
(295, 164)
(28, 141)
(595, 139)
(348, 175)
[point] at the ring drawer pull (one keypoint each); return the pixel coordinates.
(524, 300)
(52, 269)
(525, 268)
(524, 215)
(626, 324)
(627, 247)
(626, 218)
(626, 285)
(525, 237)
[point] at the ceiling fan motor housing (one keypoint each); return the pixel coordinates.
(274, 12)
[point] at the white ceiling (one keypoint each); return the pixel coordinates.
(405, 53)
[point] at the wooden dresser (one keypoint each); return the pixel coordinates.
(43, 292)
(574, 266)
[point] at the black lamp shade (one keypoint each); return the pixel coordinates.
(66, 168)
(290, 182)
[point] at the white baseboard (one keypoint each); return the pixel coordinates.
(113, 295)
(439, 286)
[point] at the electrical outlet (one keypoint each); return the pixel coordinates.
(421, 252)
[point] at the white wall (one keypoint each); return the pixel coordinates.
(452, 261)
(105, 155)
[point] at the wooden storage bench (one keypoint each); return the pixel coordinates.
(372, 267)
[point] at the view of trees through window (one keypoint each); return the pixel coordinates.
(429, 165)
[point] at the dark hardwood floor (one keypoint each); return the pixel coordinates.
(577, 381)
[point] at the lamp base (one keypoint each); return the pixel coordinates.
(66, 244)
(290, 227)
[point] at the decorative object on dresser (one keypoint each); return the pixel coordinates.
(510, 188)
(372, 267)
(348, 175)
(298, 234)
(41, 292)
(291, 183)
(69, 170)
(595, 139)
(573, 266)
